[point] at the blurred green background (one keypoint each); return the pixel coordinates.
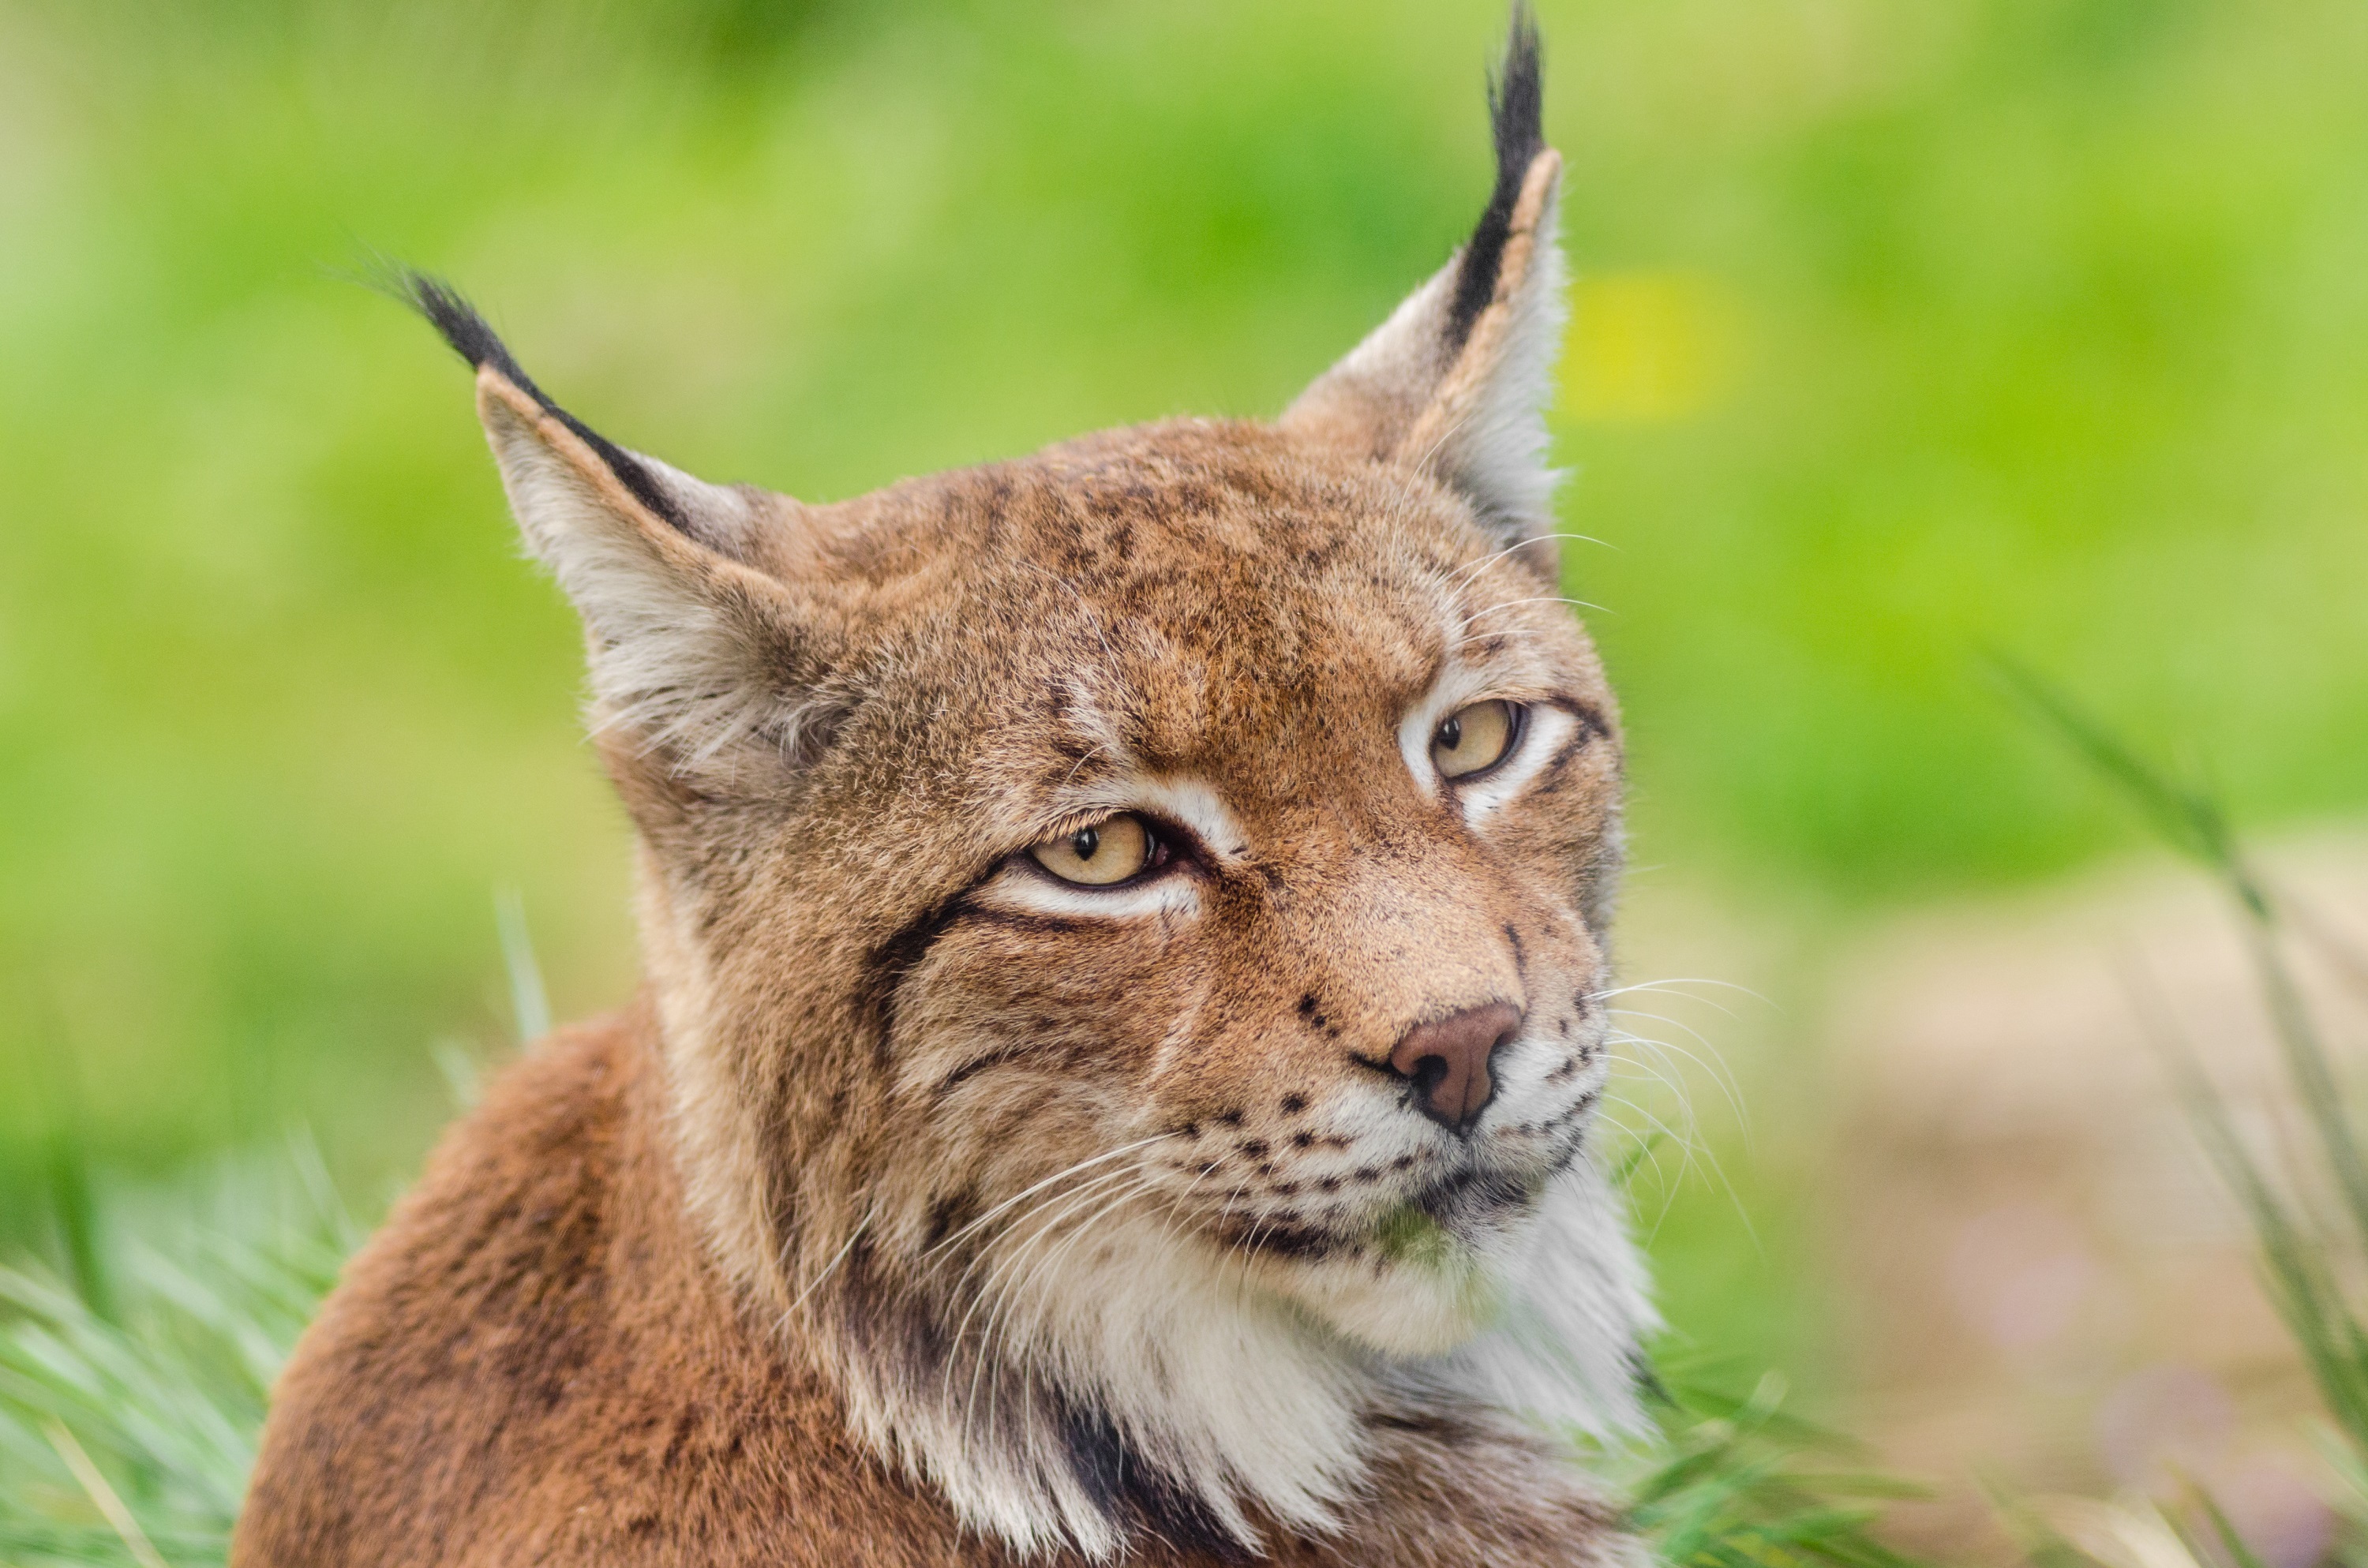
(1905, 331)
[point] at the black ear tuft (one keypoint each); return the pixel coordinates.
(1517, 109)
(471, 339)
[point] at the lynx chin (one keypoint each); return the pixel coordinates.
(1124, 934)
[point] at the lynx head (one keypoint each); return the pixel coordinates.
(1128, 924)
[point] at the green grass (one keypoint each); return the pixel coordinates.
(1735, 1481)
(130, 1398)
(2312, 1225)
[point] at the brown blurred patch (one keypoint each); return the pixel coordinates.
(2044, 1285)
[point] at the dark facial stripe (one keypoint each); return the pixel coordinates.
(999, 1057)
(893, 963)
(1592, 728)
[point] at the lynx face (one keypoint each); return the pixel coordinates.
(1127, 924)
(1288, 818)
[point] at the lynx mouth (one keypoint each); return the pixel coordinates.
(1449, 1210)
(1475, 1193)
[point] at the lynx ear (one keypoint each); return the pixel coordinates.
(1457, 381)
(694, 651)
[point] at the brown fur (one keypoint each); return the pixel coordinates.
(531, 1364)
(925, 1211)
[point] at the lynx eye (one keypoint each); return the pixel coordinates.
(1472, 740)
(1108, 852)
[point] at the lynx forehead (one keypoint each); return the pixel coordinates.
(1125, 930)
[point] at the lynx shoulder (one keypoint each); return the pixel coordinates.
(1125, 936)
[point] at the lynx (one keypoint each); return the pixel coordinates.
(1125, 938)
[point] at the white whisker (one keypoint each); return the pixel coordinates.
(1708, 1061)
(1534, 599)
(1056, 1175)
(836, 1259)
(987, 1291)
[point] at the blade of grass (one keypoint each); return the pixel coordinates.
(530, 1002)
(2298, 1279)
(1728, 1486)
(2233, 1544)
(1635, 1157)
(119, 1517)
(2303, 1263)
(160, 1406)
(2193, 824)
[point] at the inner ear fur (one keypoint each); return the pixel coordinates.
(1456, 383)
(696, 653)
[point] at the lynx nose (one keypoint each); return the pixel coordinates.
(1447, 1062)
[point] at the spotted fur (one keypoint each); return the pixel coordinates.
(928, 1210)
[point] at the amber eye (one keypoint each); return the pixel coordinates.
(1474, 738)
(1110, 851)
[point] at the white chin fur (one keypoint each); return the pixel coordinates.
(1540, 1315)
(1562, 1351)
(1435, 1296)
(1249, 1389)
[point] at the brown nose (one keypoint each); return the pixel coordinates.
(1447, 1062)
